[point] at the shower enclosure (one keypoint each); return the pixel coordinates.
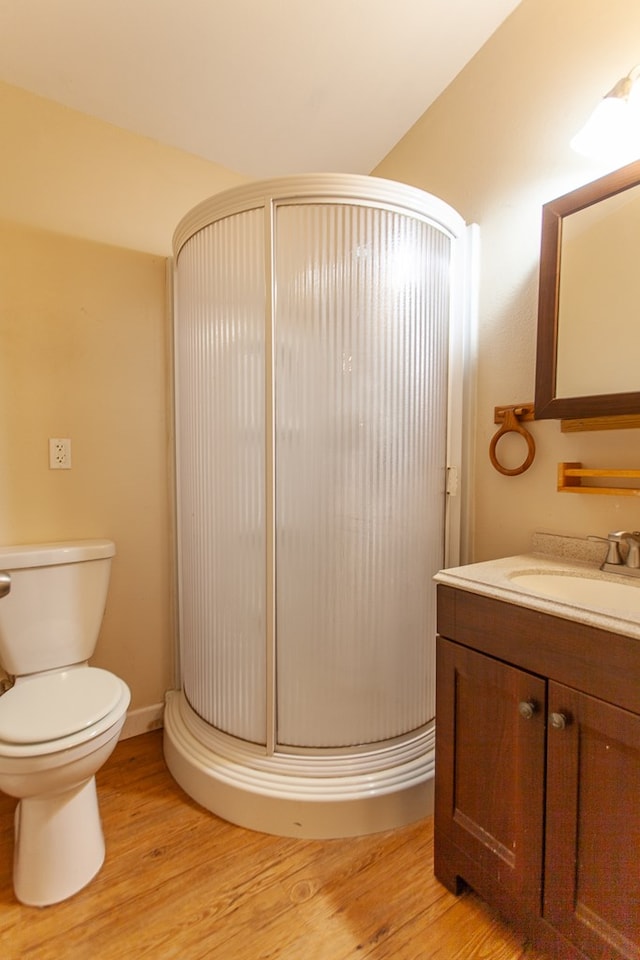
(317, 361)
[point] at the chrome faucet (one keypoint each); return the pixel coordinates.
(5, 583)
(614, 562)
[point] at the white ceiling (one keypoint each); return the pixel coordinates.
(264, 87)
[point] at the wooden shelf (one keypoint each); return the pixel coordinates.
(571, 476)
(620, 422)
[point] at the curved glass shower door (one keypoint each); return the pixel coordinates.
(360, 358)
(312, 350)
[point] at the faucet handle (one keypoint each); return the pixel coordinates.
(613, 543)
(633, 557)
(632, 537)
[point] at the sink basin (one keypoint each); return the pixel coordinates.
(585, 591)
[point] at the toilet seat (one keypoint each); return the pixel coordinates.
(55, 711)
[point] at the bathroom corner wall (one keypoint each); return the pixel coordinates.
(495, 145)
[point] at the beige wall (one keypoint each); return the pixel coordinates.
(496, 146)
(84, 338)
(84, 356)
(66, 172)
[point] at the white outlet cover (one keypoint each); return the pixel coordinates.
(59, 453)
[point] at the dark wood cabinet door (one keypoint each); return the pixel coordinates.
(490, 759)
(592, 860)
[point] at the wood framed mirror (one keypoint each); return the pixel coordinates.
(588, 350)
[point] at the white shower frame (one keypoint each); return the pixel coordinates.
(351, 792)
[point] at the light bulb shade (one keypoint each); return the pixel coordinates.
(612, 132)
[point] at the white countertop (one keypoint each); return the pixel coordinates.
(492, 578)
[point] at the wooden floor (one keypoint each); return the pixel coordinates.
(179, 882)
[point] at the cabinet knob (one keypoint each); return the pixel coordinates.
(527, 708)
(558, 721)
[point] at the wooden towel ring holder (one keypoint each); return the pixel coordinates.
(509, 418)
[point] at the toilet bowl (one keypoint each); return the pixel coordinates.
(60, 724)
(59, 845)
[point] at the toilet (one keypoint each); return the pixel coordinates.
(61, 718)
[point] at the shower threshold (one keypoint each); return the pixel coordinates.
(291, 795)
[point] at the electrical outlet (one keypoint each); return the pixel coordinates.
(59, 453)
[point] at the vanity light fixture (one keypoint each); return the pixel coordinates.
(612, 132)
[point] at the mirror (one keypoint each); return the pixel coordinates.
(588, 355)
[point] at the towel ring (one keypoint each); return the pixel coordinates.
(511, 424)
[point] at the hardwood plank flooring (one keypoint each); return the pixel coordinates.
(179, 882)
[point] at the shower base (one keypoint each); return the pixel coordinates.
(299, 795)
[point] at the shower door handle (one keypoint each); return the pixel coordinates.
(5, 583)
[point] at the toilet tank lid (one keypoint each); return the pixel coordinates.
(49, 554)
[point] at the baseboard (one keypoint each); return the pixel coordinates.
(143, 720)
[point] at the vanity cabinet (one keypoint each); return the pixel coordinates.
(538, 773)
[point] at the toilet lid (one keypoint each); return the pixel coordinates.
(54, 705)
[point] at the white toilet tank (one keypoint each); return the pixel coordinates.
(52, 614)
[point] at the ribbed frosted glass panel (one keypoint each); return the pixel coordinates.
(220, 360)
(361, 347)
